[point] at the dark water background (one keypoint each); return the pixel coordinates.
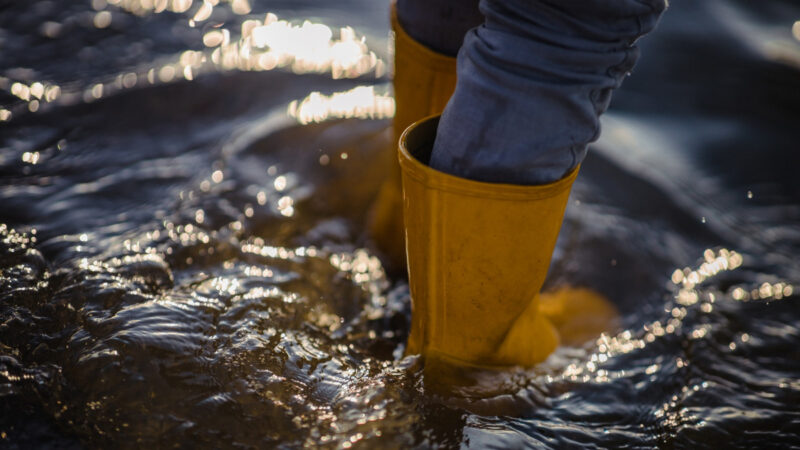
(183, 259)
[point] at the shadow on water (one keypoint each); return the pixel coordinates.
(184, 263)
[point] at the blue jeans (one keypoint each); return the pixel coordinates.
(533, 79)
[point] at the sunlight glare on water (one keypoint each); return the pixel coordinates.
(361, 102)
(258, 45)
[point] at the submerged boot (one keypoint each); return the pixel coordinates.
(478, 254)
(424, 80)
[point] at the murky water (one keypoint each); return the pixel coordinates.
(183, 261)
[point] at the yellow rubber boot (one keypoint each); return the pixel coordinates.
(579, 314)
(424, 81)
(478, 254)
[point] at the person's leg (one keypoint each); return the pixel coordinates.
(532, 83)
(428, 34)
(439, 25)
(483, 211)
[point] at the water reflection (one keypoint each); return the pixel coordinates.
(102, 19)
(260, 45)
(33, 95)
(309, 47)
(164, 290)
(361, 102)
(142, 7)
(689, 295)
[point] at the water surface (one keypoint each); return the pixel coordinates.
(183, 260)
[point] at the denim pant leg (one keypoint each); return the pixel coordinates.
(439, 24)
(532, 83)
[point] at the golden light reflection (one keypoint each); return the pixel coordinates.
(22, 91)
(14, 237)
(240, 7)
(766, 291)
(687, 280)
(97, 91)
(166, 74)
(796, 30)
(365, 270)
(204, 12)
(102, 19)
(216, 37)
(310, 47)
(37, 89)
(32, 96)
(361, 102)
(286, 206)
(258, 247)
(206, 9)
(30, 157)
(280, 183)
(143, 7)
(714, 264)
(185, 234)
(50, 29)
(266, 44)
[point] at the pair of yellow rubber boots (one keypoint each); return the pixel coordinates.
(477, 253)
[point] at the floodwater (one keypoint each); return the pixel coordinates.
(183, 257)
